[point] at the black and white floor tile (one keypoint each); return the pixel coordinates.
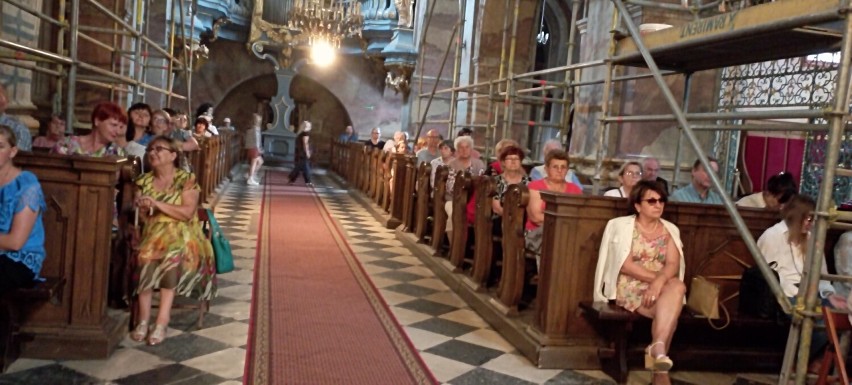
(459, 347)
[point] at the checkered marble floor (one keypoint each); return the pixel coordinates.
(458, 346)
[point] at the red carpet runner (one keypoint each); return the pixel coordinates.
(316, 318)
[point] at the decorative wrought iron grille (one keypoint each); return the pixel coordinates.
(806, 82)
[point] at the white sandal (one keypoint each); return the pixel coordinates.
(140, 332)
(158, 335)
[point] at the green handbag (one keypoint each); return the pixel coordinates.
(221, 246)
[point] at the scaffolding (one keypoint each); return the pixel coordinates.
(736, 33)
(126, 73)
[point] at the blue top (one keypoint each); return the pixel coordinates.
(24, 140)
(348, 138)
(145, 139)
(24, 191)
(689, 194)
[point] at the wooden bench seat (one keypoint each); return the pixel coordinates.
(617, 325)
(48, 291)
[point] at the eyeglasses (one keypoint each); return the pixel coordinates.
(161, 120)
(653, 201)
(637, 174)
(158, 149)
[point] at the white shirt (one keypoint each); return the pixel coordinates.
(843, 261)
(136, 149)
(776, 247)
(616, 192)
(754, 200)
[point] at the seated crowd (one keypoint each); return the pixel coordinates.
(641, 259)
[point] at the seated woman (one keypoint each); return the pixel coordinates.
(512, 173)
(630, 173)
(641, 267)
(174, 256)
(137, 127)
(21, 229)
(786, 245)
(201, 128)
(107, 119)
(555, 168)
(495, 167)
(779, 189)
(54, 133)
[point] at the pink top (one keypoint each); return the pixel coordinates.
(539, 185)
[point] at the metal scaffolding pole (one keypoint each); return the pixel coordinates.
(440, 71)
(456, 70)
(508, 106)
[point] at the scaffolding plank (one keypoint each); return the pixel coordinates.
(765, 32)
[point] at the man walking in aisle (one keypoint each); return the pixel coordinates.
(303, 155)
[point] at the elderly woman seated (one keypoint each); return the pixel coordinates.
(174, 256)
(641, 267)
(555, 168)
(630, 173)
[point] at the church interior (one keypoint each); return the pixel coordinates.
(425, 192)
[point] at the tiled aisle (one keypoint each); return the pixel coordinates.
(456, 344)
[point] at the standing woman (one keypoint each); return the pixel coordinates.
(303, 155)
(630, 173)
(254, 150)
(641, 266)
(21, 229)
(174, 256)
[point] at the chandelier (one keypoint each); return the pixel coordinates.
(328, 21)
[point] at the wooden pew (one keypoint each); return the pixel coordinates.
(80, 196)
(422, 211)
(483, 250)
(409, 193)
(439, 215)
(388, 163)
(514, 262)
(461, 194)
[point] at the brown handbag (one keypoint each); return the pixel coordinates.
(704, 299)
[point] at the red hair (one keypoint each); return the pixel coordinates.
(106, 110)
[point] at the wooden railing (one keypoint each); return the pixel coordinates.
(542, 317)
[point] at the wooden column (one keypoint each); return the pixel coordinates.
(80, 196)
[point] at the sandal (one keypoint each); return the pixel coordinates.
(158, 334)
(140, 332)
(660, 363)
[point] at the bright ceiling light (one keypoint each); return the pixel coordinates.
(322, 53)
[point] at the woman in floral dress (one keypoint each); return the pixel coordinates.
(641, 266)
(174, 256)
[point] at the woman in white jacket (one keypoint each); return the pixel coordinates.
(641, 267)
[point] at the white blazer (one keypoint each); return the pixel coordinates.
(615, 248)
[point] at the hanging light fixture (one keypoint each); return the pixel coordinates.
(542, 36)
(324, 21)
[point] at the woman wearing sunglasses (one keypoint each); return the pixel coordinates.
(174, 256)
(641, 266)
